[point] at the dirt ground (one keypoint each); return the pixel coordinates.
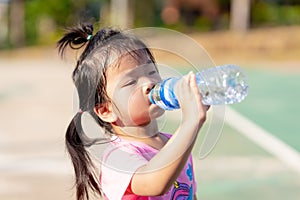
(36, 103)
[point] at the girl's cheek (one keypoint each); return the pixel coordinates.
(139, 117)
(138, 108)
(137, 99)
(132, 106)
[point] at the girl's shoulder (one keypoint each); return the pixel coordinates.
(131, 147)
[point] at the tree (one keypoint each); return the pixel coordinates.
(240, 15)
(17, 30)
(121, 13)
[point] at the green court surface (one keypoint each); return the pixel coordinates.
(237, 168)
(274, 103)
(34, 163)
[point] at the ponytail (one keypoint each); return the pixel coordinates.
(75, 37)
(83, 166)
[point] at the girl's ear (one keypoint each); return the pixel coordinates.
(105, 112)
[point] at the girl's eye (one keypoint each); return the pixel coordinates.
(131, 82)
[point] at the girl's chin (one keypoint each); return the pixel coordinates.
(155, 111)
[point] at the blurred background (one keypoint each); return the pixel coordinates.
(257, 155)
(32, 22)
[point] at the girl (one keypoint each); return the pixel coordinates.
(113, 76)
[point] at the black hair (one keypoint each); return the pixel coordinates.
(90, 81)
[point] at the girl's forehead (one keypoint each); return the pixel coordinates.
(128, 67)
(126, 63)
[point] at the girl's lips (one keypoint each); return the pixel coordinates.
(148, 99)
(149, 102)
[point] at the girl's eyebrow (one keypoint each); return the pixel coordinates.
(149, 62)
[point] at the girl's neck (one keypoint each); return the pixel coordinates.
(137, 132)
(148, 134)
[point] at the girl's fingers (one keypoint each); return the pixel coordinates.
(194, 85)
(206, 107)
(189, 87)
(187, 77)
(193, 80)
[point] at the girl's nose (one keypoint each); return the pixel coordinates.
(147, 88)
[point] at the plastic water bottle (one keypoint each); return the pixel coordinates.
(218, 85)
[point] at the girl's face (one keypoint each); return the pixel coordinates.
(128, 86)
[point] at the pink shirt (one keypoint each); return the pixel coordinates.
(122, 158)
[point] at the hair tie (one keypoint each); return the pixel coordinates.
(80, 111)
(89, 37)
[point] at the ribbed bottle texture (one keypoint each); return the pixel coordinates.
(218, 85)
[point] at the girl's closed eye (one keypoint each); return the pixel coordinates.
(129, 82)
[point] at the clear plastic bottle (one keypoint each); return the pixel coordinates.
(218, 85)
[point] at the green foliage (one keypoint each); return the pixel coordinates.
(44, 19)
(60, 13)
(289, 15)
(145, 13)
(268, 13)
(203, 24)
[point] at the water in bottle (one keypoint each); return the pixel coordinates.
(218, 85)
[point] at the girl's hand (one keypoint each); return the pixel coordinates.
(189, 99)
(168, 163)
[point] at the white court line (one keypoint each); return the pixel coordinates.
(24, 163)
(263, 138)
(17, 164)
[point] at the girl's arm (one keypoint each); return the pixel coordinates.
(156, 177)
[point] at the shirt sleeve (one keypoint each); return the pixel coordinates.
(117, 168)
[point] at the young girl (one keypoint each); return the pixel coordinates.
(113, 76)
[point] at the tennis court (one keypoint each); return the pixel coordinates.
(237, 167)
(36, 105)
